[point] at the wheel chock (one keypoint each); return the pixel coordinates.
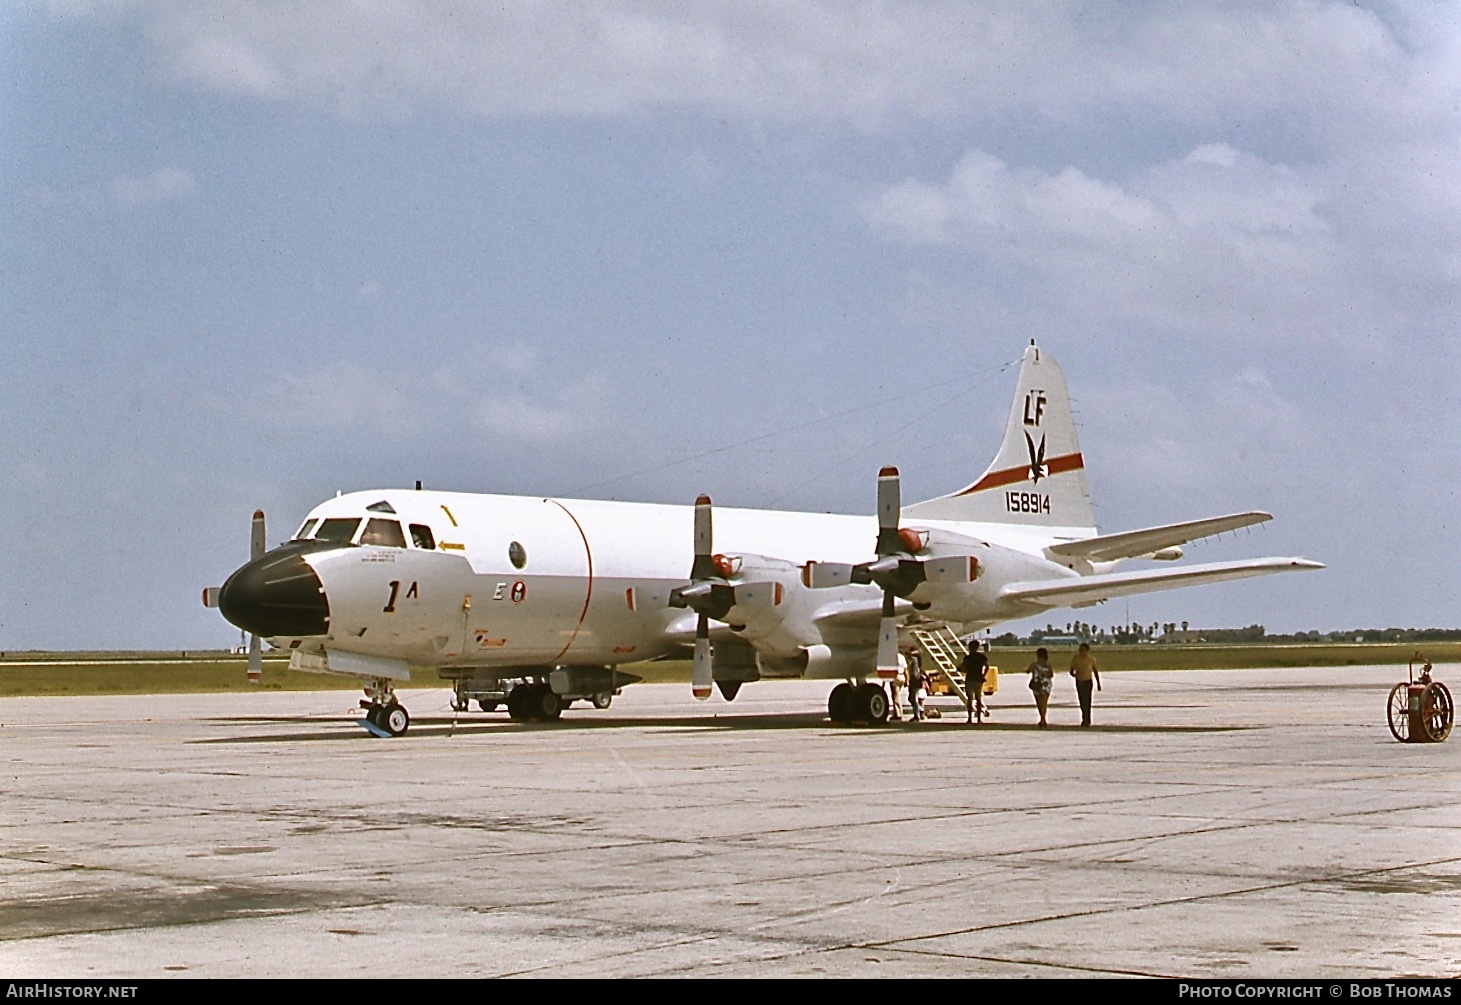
(371, 727)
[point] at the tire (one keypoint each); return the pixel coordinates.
(394, 719)
(546, 705)
(839, 703)
(487, 706)
(1398, 711)
(729, 688)
(873, 704)
(602, 700)
(517, 705)
(1436, 711)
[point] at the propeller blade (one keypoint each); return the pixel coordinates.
(890, 509)
(704, 564)
(889, 665)
(257, 545)
(888, 640)
(701, 674)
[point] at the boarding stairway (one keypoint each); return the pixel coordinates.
(943, 654)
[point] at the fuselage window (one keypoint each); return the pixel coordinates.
(386, 533)
(517, 554)
(421, 537)
(305, 531)
(338, 529)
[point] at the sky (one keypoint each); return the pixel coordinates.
(252, 254)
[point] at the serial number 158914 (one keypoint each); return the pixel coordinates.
(1027, 502)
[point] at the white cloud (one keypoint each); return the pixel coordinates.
(1217, 243)
(365, 405)
(519, 420)
(1231, 442)
(163, 185)
(869, 64)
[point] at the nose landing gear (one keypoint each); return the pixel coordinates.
(384, 715)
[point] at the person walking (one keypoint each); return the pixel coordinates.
(1083, 669)
(1041, 677)
(976, 667)
(915, 684)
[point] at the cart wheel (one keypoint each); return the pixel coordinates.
(1436, 711)
(1399, 709)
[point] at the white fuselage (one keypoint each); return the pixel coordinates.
(513, 581)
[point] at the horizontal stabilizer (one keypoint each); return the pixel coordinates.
(1135, 543)
(1082, 590)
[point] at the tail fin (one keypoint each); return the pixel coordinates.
(1038, 478)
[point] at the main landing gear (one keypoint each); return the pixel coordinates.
(863, 702)
(533, 702)
(382, 710)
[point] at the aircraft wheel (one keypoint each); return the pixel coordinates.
(1436, 711)
(517, 705)
(1399, 711)
(394, 719)
(873, 704)
(373, 714)
(460, 705)
(486, 706)
(729, 689)
(839, 703)
(602, 700)
(547, 705)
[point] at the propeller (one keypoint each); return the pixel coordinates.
(896, 569)
(710, 594)
(888, 571)
(257, 547)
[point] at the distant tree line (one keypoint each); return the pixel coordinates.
(1172, 632)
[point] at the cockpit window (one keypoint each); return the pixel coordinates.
(381, 507)
(422, 537)
(306, 530)
(386, 533)
(338, 530)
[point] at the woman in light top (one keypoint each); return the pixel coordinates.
(1041, 677)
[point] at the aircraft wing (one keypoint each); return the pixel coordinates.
(860, 613)
(1134, 543)
(1085, 590)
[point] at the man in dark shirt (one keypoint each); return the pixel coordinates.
(976, 666)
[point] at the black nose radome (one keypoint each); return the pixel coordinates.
(277, 595)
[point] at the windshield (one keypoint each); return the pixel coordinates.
(386, 533)
(340, 530)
